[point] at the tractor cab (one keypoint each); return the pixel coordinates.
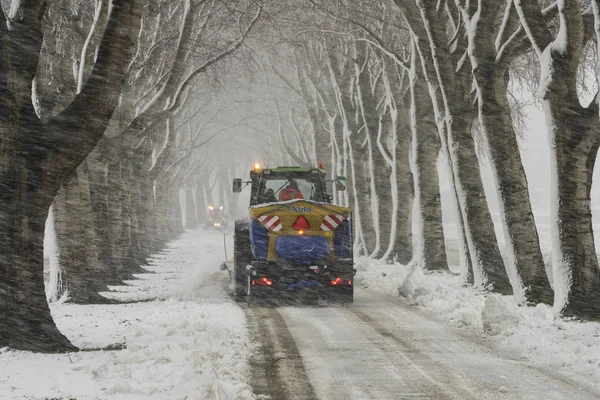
(273, 185)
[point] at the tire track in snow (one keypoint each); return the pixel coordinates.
(380, 348)
(468, 365)
(415, 365)
(277, 367)
(344, 358)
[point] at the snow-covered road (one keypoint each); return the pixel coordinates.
(187, 339)
(380, 348)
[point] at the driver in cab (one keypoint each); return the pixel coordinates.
(291, 192)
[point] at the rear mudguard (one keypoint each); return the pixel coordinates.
(300, 278)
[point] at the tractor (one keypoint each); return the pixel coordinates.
(216, 218)
(295, 245)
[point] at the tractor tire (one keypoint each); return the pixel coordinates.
(346, 296)
(242, 257)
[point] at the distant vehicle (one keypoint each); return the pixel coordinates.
(295, 244)
(216, 218)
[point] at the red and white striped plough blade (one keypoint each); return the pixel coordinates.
(271, 222)
(330, 222)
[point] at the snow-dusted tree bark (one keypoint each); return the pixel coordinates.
(38, 156)
(318, 120)
(426, 146)
(168, 212)
(361, 182)
(339, 139)
(401, 248)
(454, 80)
(490, 71)
(77, 242)
(119, 221)
(574, 135)
(80, 261)
(369, 96)
(190, 209)
(201, 205)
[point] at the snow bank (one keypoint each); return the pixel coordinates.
(499, 314)
(534, 334)
(192, 342)
(440, 294)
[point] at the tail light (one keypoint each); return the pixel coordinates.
(264, 281)
(341, 281)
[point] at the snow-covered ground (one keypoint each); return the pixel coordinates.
(534, 334)
(186, 340)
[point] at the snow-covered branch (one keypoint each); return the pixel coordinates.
(281, 134)
(232, 47)
(531, 16)
(82, 123)
(285, 80)
(100, 14)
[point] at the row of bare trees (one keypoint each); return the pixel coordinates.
(107, 112)
(389, 86)
(109, 108)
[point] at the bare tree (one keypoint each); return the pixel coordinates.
(491, 52)
(453, 80)
(574, 132)
(39, 156)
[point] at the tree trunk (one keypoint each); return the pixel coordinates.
(432, 246)
(521, 235)
(168, 210)
(201, 205)
(362, 190)
(362, 176)
(119, 218)
(151, 246)
(98, 186)
(481, 236)
(190, 209)
(575, 138)
(426, 146)
(146, 245)
(320, 141)
(26, 320)
(402, 250)
(383, 193)
(425, 70)
(131, 241)
(444, 71)
(76, 239)
(175, 216)
(209, 191)
(161, 211)
(38, 157)
(379, 169)
(134, 253)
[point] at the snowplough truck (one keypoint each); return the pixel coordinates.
(294, 245)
